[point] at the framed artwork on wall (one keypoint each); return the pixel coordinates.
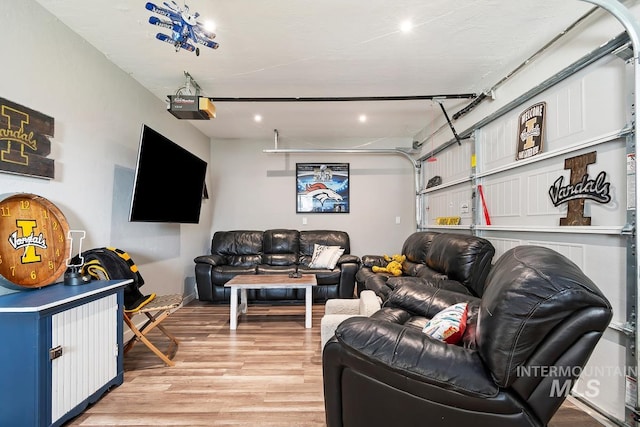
(322, 187)
(531, 131)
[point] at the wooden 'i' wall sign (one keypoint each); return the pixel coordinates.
(24, 141)
(581, 187)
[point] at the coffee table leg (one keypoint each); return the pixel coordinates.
(308, 298)
(243, 300)
(233, 317)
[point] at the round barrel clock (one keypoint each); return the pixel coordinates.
(33, 241)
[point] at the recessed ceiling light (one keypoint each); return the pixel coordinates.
(406, 26)
(362, 118)
(257, 118)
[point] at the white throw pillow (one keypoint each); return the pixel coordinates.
(325, 256)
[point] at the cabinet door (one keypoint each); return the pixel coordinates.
(87, 337)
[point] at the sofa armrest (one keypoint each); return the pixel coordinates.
(348, 258)
(371, 260)
(342, 306)
(424, 299)
(213, 260)
(398, 350)
(366, 305)
(369, 303)
(377, 282)
(347, 285)
(328, 325)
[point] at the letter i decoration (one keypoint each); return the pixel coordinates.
(73, 276)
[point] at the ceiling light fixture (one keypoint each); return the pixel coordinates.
(406, 26)
(257, 118)
(362, 118)
(186, 32)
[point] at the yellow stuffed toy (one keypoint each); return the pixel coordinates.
(394, 265)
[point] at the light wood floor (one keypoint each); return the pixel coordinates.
(266, 373)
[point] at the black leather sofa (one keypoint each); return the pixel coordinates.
(531, 333)
(276, 251)
(456, 262)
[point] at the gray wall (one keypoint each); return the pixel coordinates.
(257, 190)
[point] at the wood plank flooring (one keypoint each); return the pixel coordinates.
(266, 373)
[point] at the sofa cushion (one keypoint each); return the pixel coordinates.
(416, 246)
(239, 248)
(309, 238)
(275, 269)
(464, 258)
(224, 273)
(429, 274)
(280, 247)
(323, 276)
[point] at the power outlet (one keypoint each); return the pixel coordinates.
(304, 220)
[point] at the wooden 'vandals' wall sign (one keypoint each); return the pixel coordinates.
(580, 188)
(24, 141)
(531, 131)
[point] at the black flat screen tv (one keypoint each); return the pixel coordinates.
(169, 181)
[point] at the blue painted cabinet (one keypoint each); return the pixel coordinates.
(60, 350)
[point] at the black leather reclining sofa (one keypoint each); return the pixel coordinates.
(456, 262)
(538, 310)
(276, 251)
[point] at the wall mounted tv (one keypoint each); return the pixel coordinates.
(169, 181)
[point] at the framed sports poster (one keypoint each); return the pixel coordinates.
(322, 187)
(531, 131)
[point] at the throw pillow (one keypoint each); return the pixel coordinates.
(449, 324)
(325, 256)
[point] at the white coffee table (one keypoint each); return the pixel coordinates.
(263, 281)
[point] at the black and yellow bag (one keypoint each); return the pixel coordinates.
(110, 264)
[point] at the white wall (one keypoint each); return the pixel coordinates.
(98, 111)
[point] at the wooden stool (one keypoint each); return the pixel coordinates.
(156, 311)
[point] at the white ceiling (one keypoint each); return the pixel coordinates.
(326, 48)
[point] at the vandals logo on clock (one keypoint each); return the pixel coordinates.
(29, 241)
